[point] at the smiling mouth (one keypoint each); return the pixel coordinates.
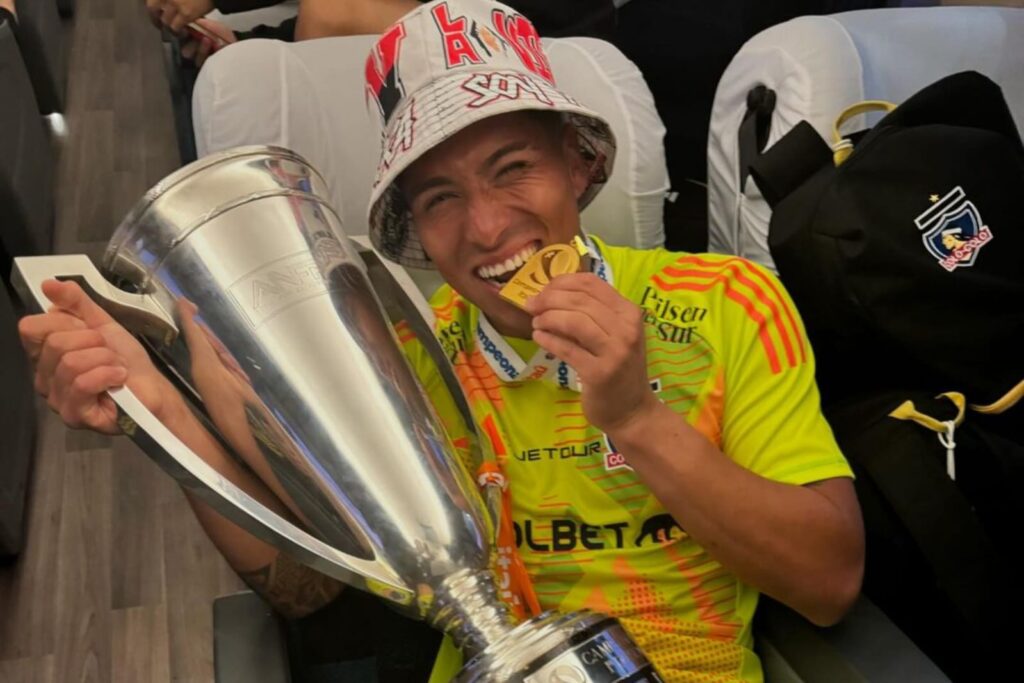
(497, 274)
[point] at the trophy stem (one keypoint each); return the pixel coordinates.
(467, 608)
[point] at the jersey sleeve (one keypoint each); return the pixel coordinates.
(772, 421)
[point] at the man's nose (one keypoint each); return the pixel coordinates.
(488, 219)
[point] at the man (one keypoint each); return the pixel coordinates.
(655, 416)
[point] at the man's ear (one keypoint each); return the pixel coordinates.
(579, 170)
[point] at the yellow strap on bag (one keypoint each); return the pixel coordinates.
(842, 147)
(908, 411)
(946, 429)
(1012, 398)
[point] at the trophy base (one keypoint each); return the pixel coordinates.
(582, 647)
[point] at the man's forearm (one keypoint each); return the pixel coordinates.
(293, 589)
(799, 544)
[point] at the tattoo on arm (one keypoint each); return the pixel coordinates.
(292, 589)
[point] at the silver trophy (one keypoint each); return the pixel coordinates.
(236, 274)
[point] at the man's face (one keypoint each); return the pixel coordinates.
(489, 197)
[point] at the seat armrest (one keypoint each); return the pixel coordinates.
(248, 641)
(864, 646)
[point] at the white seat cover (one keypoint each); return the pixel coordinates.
(819, 65)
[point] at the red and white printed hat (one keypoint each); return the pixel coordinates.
(442, 67)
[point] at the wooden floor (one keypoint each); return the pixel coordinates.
(117, 580)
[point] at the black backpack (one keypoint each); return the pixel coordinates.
(944, 557)
(906, 260)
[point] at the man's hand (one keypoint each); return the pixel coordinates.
(583, 321)
(79, 352)
(198, 50)
(175, 14)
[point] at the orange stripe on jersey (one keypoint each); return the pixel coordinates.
(643, 594)
(551, 563)
(677, 385)
(628, 484)
(462, 442)
(709, 610)
(479, 381)
(444, 312)
(747, 304)
(566, 428)
(735, 274)
(571, 442)
(491, 430)
(709, 418)
(597, 601)
(776, 298)
(663, 375)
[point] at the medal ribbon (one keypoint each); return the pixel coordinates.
(510, 366)
(513, 582)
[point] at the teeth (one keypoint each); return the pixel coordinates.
(516, 261)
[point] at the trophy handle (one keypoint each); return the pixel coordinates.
(177, 459)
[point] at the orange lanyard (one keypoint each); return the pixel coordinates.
(514, 585)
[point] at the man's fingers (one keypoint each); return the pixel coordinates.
(565, 350)
(70, 298)
(34, 329)
(75, 364)
(178, 22)
(218, 29)
(168, 14)
(576, 326)
(589, 284)
(85, 403)
(155, 9)
(557, 300)
(56, 347)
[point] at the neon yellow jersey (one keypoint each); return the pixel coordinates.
(725, 349)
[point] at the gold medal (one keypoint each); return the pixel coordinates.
(548, 263)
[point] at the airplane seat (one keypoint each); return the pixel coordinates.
(40, 36)
(817, 66)
(26, 220)
(66, 8)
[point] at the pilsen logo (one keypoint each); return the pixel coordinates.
(671, 322)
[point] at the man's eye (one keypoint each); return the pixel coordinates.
(438, 199)
(514, 167)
